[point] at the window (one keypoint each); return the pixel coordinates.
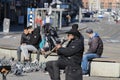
(86, 4)
(102, 5)
(110, 5)
(118, 5)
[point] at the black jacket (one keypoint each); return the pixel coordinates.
(73, 52)
(35, 38)
(24, 39)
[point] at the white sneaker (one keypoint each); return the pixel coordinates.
(35, 61)
(46, 72)
(87, 75)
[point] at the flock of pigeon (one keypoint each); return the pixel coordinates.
(18, 68)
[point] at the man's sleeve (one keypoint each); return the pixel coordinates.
(21, 41)
(23, 37)
(74, 48)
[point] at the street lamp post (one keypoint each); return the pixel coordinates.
(80, 11)
(0, 11)
(80, 15)
(5, 7)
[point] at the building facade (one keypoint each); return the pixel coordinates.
(14, 9)
(110, 4)
(101, 4)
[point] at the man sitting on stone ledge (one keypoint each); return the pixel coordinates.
(33, 45)
(95, 50)
(33, 39)
(24, 40)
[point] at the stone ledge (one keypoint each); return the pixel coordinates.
(107, 59)
(8, 48)
(12, 52)
(105, 67)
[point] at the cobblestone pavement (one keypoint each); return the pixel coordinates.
(42, 76)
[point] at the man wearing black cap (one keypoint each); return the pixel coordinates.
(69, 58)
(75, 27)
(95, 49)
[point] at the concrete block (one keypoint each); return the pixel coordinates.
(13, 53)
(105, 69)
(43, 59)
(4, 52)
(49, 58)
(9, 53)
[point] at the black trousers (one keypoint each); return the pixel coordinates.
(53, 67)
(72, 73)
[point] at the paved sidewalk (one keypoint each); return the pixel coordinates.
(42, 76)
(110, 34)
(12, 41)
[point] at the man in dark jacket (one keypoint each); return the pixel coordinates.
(75, 27)
(35, 37)
(24, 40)
(34, 40)
(95, 49)
(69, 58)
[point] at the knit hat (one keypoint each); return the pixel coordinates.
(75, 26)
(89, 31)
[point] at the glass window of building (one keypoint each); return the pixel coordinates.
(118, 5)
(86, 4)
(102, 5)
(110, 5)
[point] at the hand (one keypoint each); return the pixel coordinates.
(42, 51)
(58, 46)
(23, 43)
(68, 16)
